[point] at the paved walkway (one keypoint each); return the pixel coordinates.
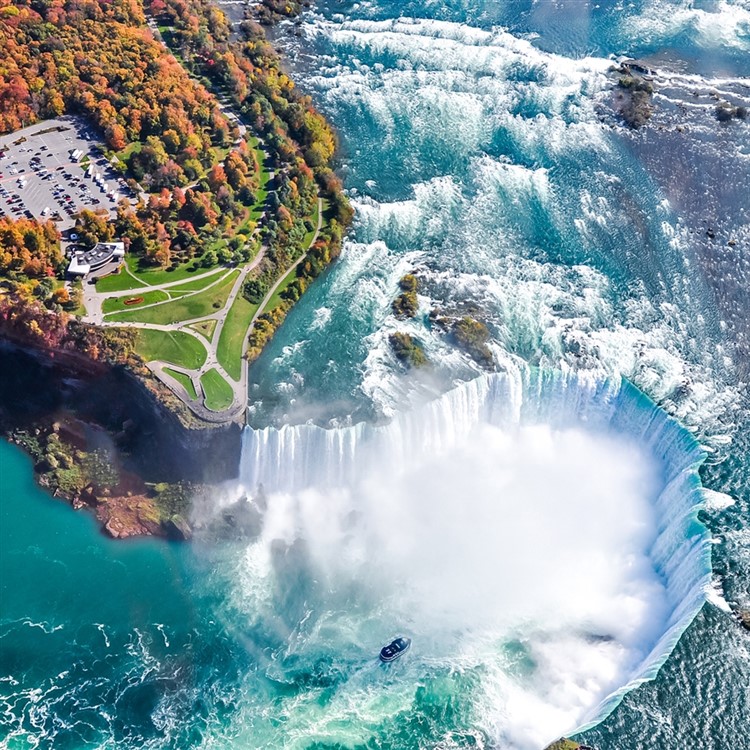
(93, 301)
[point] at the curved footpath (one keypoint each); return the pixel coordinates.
(93, 301)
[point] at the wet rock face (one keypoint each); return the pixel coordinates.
(242, 519)
(177, 528)
(725, 112)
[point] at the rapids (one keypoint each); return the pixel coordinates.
(566, 539)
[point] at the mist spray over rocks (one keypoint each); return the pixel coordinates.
(536, 537)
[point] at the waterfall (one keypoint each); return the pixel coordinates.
(296, 458)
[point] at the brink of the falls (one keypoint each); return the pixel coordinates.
(538, 532)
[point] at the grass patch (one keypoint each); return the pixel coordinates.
(265, 175)
(128, 151)
(197, 284)
(276, 298)
(154, 276)
(118, 282)
(184, 380)
(116, 304)
(176, 347)
(195, 306)
(232, 339)
(205, 328)
(218, 393)
(315, 218)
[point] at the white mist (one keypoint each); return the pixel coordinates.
(535, 539)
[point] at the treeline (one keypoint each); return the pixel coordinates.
(250, 73)
(28, 249)
(31, 262)
(175, 226)
(35, 307)
(299, 139)
(323, 252)
(29, 321)
(96, 58)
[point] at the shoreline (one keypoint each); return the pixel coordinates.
(100, 439)
(145, 494)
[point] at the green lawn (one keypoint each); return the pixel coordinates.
(229, 349)
(218, 393)
(262, 192)
(184, 380)
(132, 278)
(118, 282)
(116, 304)
(205, 328)
(197, 284)
(154, 276)
(128, 151)
(195, 306)
(276, 298)
(307, 241)
(176, 347)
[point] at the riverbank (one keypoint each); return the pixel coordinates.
(226, 229)
(101, 439)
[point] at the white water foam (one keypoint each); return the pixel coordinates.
(720, 24)
(529, 246)
(536, 537)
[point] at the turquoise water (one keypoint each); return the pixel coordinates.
(270, 642)
(479, 153)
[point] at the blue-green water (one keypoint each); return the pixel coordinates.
(270, 642)
(480, 153)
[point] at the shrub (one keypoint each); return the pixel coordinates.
(472, 336)
(408, 350)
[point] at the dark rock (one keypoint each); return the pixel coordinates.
(634, 98)
(178, 528)
(725, 112)
(743, 615)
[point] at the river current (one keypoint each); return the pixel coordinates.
(562, 538)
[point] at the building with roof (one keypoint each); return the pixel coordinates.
(83, 262)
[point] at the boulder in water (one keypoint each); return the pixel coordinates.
(176, 527)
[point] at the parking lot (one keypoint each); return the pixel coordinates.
(54, 169)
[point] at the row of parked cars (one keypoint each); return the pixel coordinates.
(15, 206)
(70, 190)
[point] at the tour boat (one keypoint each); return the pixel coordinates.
(394, 649)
